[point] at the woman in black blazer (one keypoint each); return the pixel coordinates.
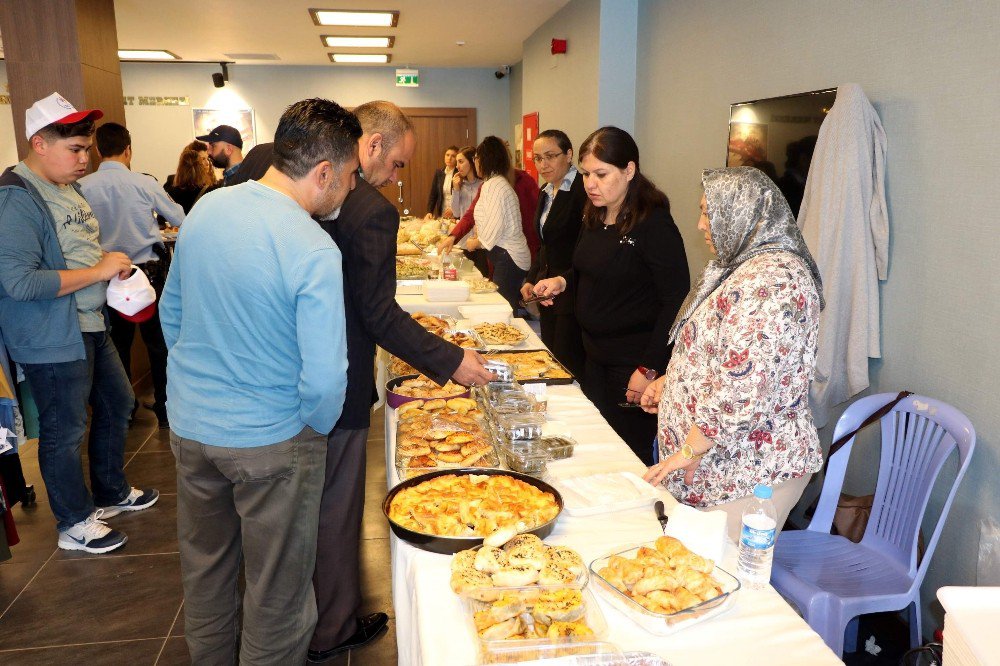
(440, 197)
(558, 217)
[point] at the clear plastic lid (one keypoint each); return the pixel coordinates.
(522, 426)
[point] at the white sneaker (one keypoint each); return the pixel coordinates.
(136, 500)
(92, 535)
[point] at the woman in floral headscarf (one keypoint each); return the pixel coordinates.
(733, 404)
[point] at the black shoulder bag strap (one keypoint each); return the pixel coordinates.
(872, 418)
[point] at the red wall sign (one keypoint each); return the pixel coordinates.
(529, 132)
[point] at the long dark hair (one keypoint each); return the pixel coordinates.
(469, 153)
(617, 147)
(494, 160)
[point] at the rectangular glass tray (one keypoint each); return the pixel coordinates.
(664, 624)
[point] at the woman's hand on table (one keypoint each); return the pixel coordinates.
(444, 245)
(637, 384)
(549, 287)
(650, 400)
(448, 214)
(661, 470)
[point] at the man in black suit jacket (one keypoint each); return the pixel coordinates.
(560, 330)
(365, 232)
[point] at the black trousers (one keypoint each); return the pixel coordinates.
(508, 276)
(605, 386)
(337, 579)
(123, 332)
(561, 334)
(480, 260)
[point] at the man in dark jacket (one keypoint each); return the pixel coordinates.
(365, 232)
(53, 280)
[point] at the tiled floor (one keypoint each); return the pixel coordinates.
(60, 607)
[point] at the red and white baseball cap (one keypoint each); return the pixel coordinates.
(55, 109)
(134, 298)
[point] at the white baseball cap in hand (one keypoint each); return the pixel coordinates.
(55, 109)
(133, 298)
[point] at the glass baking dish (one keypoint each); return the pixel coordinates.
(665, 624)
(592, 617)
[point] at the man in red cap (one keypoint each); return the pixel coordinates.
(53, 279)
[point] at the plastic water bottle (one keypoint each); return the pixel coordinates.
(757, 539)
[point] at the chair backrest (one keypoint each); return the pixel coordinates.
(918, 435)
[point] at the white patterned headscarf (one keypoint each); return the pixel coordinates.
(748, 216)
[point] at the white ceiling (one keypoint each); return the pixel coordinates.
(493, 30)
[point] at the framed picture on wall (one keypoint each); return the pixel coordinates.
(747, 144)
(205, 120)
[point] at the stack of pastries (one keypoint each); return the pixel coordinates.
(441, 433)
(528, 612)
(665, 579)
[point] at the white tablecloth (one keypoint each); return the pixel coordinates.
(432, 629)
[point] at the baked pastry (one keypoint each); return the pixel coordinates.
(560, 605)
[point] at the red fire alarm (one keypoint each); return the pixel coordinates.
(558, 46)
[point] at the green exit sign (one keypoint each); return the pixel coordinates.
(408, 78)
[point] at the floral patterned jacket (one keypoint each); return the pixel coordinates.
(740, 371)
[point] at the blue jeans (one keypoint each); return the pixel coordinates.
(61, 392)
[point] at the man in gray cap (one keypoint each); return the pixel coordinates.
(225, 149)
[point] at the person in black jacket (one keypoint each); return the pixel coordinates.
(440, 196)
(557, 220)
(254, 165)
(631, 276)
(365, 232)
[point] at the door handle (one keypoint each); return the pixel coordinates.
(400, 184)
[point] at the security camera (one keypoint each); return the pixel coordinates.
(502, 71)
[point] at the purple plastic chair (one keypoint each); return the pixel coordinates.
(832, 580)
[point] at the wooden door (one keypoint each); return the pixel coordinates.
(435, 129)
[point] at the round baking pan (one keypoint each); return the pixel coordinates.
(448, 545)
(394, 399)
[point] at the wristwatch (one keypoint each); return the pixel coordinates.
(687, 452)
(648, 373)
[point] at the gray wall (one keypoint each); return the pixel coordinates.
(159, 133)
(563, 89)
(930, 69)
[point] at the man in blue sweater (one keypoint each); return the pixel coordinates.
(253, 318)
(53, 280)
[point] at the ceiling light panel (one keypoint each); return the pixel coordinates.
(363, 58)
(376, 19)
(146, 54)
(342, 41)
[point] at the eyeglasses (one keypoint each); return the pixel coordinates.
(547, 157)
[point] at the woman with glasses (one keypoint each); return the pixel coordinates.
(498, 220)
(630, 274)
(734, 404)
(557, 222)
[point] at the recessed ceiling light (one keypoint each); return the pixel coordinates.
(460, 43)
(335, 41)
(146, 54)
(365, 18)
(366, 58)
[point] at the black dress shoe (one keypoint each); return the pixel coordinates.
(370, 627)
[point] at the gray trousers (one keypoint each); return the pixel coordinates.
(785, 496)
(338, 565)
(261, 505)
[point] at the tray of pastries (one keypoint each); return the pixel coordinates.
(438, 324)
(524, 563)
(481, 285)
(466, 339)
(500, 333)
(664, 587)
(447, 511)
(407, 249)
(412, 268)
(436, 436)
(534, 366)
(420, 387)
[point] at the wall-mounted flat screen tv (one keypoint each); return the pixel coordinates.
(777, 135)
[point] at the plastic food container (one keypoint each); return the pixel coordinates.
(513, 402)
(521, 426)
(503, 371)
(486, 314)
(557, 654)
(528, 591)
(593, 617)
(558, 446)
(665, 624)
(526, 457)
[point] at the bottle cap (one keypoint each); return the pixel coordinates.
(762, 491)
